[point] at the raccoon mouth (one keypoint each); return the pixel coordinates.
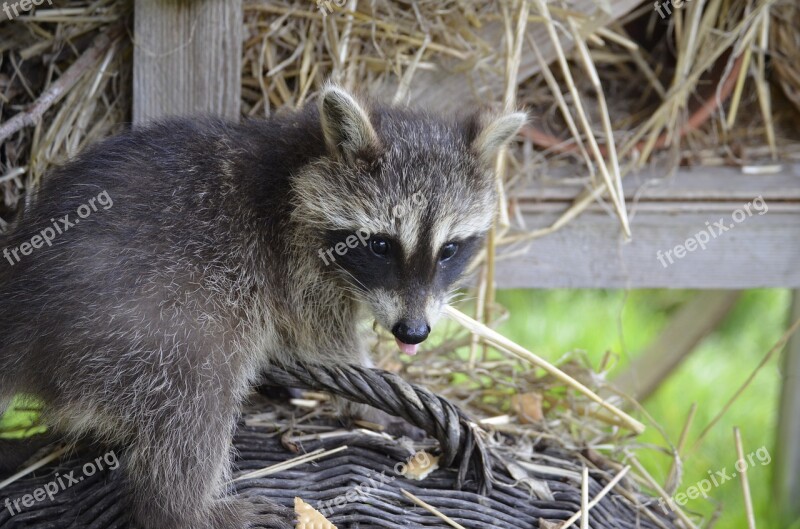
(407, 348)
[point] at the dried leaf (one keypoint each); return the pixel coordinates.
(528, 407)
(421, 465)
(308, 517)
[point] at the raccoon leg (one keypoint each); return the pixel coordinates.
(179, 464)
(396, 426)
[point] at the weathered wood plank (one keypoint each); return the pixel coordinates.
(187, 58)
(761, 250)
(691, 184)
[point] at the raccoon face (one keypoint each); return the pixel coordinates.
(402, 205)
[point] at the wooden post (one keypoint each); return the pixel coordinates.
(187, 58)
(787, 454)
(695, 320)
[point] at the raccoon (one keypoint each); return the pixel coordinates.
(157, 273)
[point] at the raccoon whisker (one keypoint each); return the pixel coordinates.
(359, 283)
(352, 288)
(456, 295)
(461, 296)
(352, 293)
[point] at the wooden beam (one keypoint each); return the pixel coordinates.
(787, 469)
(761, 250)
(187, 58)
(693, 322)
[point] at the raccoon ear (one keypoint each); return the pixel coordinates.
(345, 124)
(496, 134)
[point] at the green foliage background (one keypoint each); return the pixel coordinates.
(553, 322)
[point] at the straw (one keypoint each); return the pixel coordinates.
(504, 344)
(748, 500)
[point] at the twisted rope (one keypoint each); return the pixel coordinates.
(459, 437)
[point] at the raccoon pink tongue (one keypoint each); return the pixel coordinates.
(407, 348)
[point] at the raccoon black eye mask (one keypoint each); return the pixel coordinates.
(383, 264)
(147, 324)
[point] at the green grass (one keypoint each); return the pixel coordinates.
(551, 323)
(21, 420)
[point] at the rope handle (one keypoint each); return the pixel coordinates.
(459, 437)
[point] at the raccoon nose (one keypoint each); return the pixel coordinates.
(411, 332)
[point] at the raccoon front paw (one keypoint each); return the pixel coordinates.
(268, 515)
(254, 512)
(392, 425)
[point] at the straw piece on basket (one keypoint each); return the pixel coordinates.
(291, 463)
(585, 508)
(39, 464)
(514, 349)
(433, 510)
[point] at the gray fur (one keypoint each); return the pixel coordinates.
(146, 324)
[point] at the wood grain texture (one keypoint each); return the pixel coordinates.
(690, 184)
(187, 58)
(763, 250)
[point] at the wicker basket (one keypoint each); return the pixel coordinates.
(358, 487)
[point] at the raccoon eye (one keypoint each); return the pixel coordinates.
(448, 251)
(379, 246)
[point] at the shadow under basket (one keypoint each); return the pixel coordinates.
(484, 480)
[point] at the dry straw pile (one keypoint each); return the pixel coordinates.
(612, 86)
